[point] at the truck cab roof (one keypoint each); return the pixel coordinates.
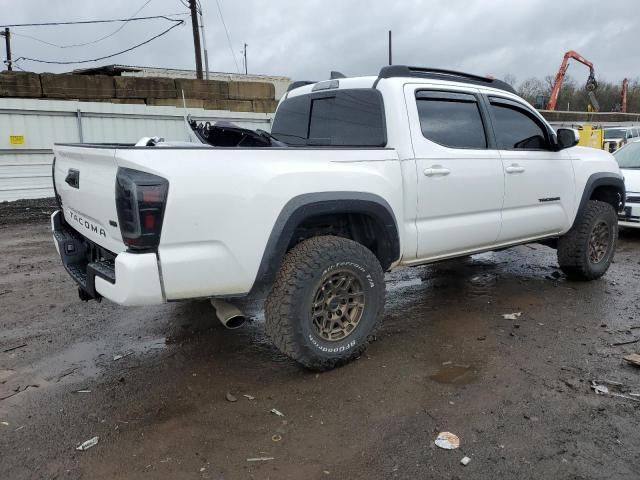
(401, 74)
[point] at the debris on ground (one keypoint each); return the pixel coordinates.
(447, 440)
(230, 397)
(626, 342)
(6, 424)
(276, 437)
(604, 390)
(83, 391)
(465, 461)
(92, 442)
(633, 359)
(249, 397)
(277, 412)
(118, 357)
(599, 389)
(10, 349)
(260, 459)
(511, 316)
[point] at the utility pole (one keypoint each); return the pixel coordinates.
(245, 59)
(390, 61)
(196, 37)
(204, 45)
(7, 40)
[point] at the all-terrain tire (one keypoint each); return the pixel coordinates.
(290, 306)
(574, 248)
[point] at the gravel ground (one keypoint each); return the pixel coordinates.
(26, 211)
(516, 392)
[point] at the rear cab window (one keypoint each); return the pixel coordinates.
(451, 119)
(338, 118)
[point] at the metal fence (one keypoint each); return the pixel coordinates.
(30, 127)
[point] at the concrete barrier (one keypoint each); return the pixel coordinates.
(20, 84)
(251, 91)
(77, 86)
(230, 105)
(142, 87)
(232, 95)
(202, 89)
(264, 106)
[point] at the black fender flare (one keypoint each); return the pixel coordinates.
(596, 180)
(308, 205)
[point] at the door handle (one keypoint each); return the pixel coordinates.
(436, 171)
(514, 168)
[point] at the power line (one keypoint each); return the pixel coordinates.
(46, 42)
(233, 54)
(110, 34)
(85, 22)
(178, 23)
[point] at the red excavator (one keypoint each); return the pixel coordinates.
(591, 85)
(623, 96)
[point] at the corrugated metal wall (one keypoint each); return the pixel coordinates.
(30, 127)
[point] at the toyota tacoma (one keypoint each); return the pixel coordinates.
(357, 176)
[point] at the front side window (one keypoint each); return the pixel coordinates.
(343, 118)
(517, 129)
(451, 119)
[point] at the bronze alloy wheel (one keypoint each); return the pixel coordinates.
(338, 305)
(599, 242)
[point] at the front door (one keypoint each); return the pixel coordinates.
(459, 174)
(539, 182)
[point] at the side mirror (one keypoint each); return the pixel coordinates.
(567, 138)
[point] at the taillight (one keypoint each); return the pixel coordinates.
(140, 201)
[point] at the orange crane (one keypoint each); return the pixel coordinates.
(591, 85)
(623, 95)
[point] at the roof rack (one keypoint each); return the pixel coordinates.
(299, 83)
(392, 71)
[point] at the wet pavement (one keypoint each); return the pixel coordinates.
(152, 382)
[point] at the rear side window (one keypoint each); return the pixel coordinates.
(451, 119)
(517, 129)
(343, 118)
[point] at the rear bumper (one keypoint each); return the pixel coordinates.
(630, 216)
(125, 278)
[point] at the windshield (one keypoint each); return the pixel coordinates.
(615, 133)
(628, 156)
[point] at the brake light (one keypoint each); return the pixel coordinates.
(140, 201)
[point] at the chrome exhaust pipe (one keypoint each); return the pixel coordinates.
(229, 315)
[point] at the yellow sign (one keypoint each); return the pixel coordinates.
(16, 139)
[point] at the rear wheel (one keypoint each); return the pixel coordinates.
(326, 302)
(586, 251)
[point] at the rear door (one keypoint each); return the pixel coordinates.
(85, 179)
(539, 182)
(460, 176)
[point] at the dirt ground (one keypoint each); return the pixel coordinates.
(516, 392)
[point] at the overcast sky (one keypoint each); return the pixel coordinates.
(305, 39)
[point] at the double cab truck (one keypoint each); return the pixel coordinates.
(358, 176)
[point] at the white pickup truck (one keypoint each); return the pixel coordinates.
(361, 175)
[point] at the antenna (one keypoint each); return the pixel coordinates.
(187, 118)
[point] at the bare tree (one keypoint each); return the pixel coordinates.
(531, 88)
(510, 79)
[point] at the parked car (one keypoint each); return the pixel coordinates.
(616, 137)
(359, 175)
(628, 157)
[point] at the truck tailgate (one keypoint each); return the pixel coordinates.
(85, 179)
